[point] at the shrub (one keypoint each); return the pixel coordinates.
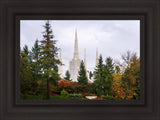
(64, 93)
(99, 97)
(108, 97)
(75, 96)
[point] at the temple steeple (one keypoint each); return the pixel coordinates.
(60, 70)
(96, 57)
(76, 53)
(85, 58)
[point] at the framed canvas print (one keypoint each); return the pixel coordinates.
(79, 60)
(67, 68)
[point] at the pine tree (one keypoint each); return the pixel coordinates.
(82, 77)
(98, 76)
(108, 75)
(35, 51)
(90, 74)
(117, 69)
(26, 78)
(25, 50)
(35, 65)
(48, 57)
(67, 76)
(28, 53)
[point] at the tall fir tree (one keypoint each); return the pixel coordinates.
(48, 57)
(35, 65)
(25, 50)
(26, 78)
(67, 76)
(35, 51)
(98, 76)
(108, 75)
(28, 53)
(90, 74)
(82, 77)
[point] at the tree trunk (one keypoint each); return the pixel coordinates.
(47, 95)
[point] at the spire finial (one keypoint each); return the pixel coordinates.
(96, 56)
(85, 58)
(76, 54)
(60, 69)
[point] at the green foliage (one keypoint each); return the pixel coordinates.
(28, 85)
(31, 97)
(99, 77)
(107, 97)
(48, 58)
(90, 74)
(108, 75)
(25, 50)
(39, 78)
(35, 65)
(75, 96)
(117, 69)
(64, 93)
(28, 53)
(59, 98)
(104, 76)
(35, 51)
(131, 76)
(67, 76)
(82, 77)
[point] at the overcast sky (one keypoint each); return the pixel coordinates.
(112, 37)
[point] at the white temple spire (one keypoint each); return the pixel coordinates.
(85, 64)
(96, 57)
(76, 53)
(74, 64)
(60, 70)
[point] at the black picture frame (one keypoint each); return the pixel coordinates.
(11, 11)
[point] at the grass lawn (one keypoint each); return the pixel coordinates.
(33, 97)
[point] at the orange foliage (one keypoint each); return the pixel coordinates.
(118, 91)
(64, 82)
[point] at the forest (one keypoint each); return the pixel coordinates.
(40, 80)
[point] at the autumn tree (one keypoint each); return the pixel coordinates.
(82, 77)
(48, 57)
(131, 75)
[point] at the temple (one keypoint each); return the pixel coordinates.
(74, 64)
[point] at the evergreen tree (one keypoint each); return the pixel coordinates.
(35, 51)
(67, 76)
(82, 77)
(48, 57)
(26, 78)
(117, 69)
(28, 53)
(25, 50)
(90, 74)
(35, 65)
(108, 75)
(99, 77)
